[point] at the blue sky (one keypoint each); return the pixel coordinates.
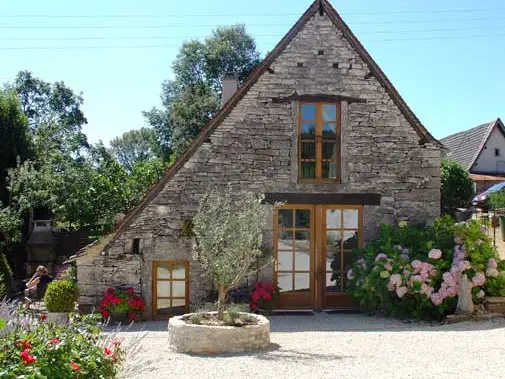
(445, 58)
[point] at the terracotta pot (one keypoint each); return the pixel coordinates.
(495, 304)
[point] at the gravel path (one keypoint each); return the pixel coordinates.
(335, 346)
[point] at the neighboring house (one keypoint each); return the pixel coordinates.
(481, 151)
(317, 125)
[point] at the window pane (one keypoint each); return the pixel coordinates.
(178, 288)
(333, 218)
(350, 240)
(308, 170)
(329, 170)
(286, 218)
(333, 241)
(163, 271)
(329, 130)
(351, 219)
(179, 271)
(163, 306)
(332, 282)
(178, 307)
(285, 241)
(302, 282)
(329, 150)
(308, 150)
(302, 241)
(285, 281)
(329, 112)
(308, 112)
(302, 261)
(348, 258)
(285, 260)
(302, 218)
(308, 130)
(163, 289)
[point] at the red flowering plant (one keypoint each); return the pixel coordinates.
(262, 296)
(121, 302)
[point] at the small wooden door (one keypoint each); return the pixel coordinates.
(313, 249)
(170, 288)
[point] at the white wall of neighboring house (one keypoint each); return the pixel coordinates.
(488, 162)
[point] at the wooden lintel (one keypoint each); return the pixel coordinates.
(324, 198)
(317, 98)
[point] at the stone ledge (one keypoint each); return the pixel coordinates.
(205, 339)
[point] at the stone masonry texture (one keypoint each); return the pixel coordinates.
(255, 148)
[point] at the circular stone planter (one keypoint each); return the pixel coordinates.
(495, 304)
(207, 339)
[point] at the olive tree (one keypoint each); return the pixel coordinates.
(229, 232)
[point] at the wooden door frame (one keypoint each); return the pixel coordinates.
(154, 292)
(318, 294)
(312, 247)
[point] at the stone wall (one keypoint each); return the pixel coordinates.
(254, 149)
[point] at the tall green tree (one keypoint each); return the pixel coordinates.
(456, 187)
(192, 98)
(135, 146)
(14, 139)
(54, 114)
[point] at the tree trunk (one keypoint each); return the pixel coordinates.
(220, 302)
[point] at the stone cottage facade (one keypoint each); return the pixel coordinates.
(317, 126)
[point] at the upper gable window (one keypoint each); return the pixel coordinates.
(319, 142)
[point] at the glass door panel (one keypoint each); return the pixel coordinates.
(170, 288)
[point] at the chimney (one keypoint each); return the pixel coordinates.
(230, 85)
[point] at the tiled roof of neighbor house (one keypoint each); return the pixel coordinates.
(464, 147)
(323, 7)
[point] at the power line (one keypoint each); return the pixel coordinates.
(176, 46)
(258, 35)
(214, 25)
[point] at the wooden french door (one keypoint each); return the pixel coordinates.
(170, 288)
(313, 249)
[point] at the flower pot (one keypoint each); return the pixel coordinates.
(495, 304)
(57, 317)
(119, 317)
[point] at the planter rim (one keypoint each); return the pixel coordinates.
(180, 320)
(495, 299)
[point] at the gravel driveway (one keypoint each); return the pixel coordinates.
(335, 346)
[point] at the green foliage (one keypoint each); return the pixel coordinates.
(5, 276)
(229, 232)
(187, 228)
(193, 96)
(76, 350)
(14, 140)
(496, 199)
(456, 187)
(60, 296)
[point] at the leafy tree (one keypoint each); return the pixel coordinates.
(54, 114)
(229, 233)
(135, 146)
(457, 187)
(14, 139)
(193, 96)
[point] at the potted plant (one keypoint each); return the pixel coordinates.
(60, 299)
(262, 297)
(121, 305)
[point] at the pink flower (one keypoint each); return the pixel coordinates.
(452, 291)
(436, 299)
(464, 265)
(479, 279)
(416, 278)
(390, 286)
(492, 272)
(396, 280)
(350, 275)
(380, 256)
(449, 278)
(492, 263)
(435, 254)
(442, 292)
(401, 291)
(426, 289)
(406, 272)
(417, 264)
(483, 229)
(388, 266)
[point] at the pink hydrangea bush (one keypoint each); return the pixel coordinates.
(415, 271)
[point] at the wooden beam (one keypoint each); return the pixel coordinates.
(317, 98)
(324, 198)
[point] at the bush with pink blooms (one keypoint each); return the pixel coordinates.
(414, 272)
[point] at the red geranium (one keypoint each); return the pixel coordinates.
(107, 351)
(42, 316)
(26, 357)
(74, 366)
(120, 302)
(262, 296)
(23, 345)
(54, 340)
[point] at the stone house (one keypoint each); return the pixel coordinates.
(481, 151)
(317, 126)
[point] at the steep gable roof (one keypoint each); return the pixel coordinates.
(465, 147)
(323, 7)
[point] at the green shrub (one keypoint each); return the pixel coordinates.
(60, 296)
(497, 200)
(5, 276)
(456, 187)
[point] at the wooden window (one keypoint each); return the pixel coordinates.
(319, 142)
(170, 288)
